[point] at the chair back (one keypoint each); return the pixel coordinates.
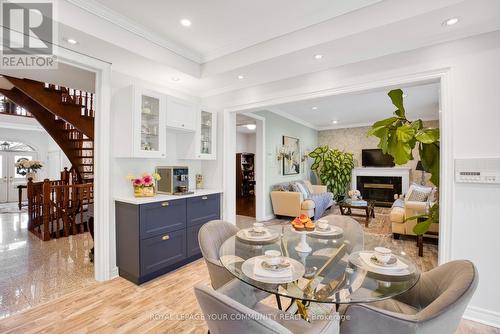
(444, 292)
(211, 237)
(226, 315)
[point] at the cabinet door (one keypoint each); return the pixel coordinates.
(162, 217)
(162, 251)
(181, 114)
(203, 209)
(207, 135)
(193, 246)
(149, 127)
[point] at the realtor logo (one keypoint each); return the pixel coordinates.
(28, 30)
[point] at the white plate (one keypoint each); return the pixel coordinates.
(266, 236)
(332, 231)
(362, 259)
(297, 271)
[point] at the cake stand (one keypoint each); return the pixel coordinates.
(303, 246)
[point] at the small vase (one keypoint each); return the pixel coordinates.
(144, 191)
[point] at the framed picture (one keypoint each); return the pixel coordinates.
(291, 160)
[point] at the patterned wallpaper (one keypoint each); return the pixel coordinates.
(353, 140)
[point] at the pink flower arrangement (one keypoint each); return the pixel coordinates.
(147, 180)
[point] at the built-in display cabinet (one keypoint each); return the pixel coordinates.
(141, 122)
(143, 117)
(201, 146)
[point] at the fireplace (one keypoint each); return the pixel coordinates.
(381, 189)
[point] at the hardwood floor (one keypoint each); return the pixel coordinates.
(165, 305)
(245, 206)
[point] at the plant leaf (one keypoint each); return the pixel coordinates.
(405, 133)
(385, 122)
(429, 155)
(428, 136)
(396, 96)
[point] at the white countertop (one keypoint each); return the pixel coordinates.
(161, 197)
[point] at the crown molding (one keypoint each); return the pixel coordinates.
(359, 125)
(293, 118)
(131, 26)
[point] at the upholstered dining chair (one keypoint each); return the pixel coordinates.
(234, 308)
(211, 237)
(434, 305)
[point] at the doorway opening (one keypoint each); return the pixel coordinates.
(246, 142)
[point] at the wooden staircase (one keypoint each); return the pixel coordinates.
(66, 114)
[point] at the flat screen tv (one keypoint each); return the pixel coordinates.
(376, 158)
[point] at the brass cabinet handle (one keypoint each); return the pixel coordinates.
(164, 204)
(204, 197)
(165, 237)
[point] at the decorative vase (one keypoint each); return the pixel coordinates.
(142, 191)
(32, 175)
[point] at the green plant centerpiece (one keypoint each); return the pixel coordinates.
(399, 136)
(334, 168)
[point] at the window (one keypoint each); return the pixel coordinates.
(14, 146)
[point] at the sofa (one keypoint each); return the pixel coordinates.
(405, 207)
(288, 200)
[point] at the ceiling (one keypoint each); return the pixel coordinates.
(225, 26)
(361, 109)
(241, 122)
(259, 41)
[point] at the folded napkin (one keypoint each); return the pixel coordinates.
(258, 270)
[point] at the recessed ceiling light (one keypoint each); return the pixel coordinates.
(176, 79)
(318, 56)
(314, 108)
(186, 22)
(240, 77)
(71, 41)
(251, 127)
(335, 122)
(450, 22)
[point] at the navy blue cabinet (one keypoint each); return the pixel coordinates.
(155, 238)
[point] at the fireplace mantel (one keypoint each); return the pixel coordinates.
(403, 172)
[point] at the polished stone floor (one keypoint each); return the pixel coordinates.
(33, 271)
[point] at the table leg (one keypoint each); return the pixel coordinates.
(420, 245)
(368, 214)
(278, 301)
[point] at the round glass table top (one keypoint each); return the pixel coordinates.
(329, 266)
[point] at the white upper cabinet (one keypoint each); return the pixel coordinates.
(139, 123)
(201, 144)
(181, 114)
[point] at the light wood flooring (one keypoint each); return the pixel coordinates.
(165, 305)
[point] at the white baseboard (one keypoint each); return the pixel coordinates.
(266, 218)
(113, 273)
(483, 316)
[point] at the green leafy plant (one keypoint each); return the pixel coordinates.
(399, 136)
(334, 169)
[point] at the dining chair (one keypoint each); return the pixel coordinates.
(211, 237)
(434, 305)
(234, 308)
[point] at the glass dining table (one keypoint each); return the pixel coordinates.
(326, 268)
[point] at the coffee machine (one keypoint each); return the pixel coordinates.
(174, 180)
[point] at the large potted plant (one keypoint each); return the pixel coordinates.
(399, 136)
(334, 169)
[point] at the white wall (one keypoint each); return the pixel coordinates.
(245, 142)
(474, 65)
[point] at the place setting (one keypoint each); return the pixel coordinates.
(258, 233)
(273, 268)
(383, 261)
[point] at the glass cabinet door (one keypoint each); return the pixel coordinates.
(207, 123)
(150, 123)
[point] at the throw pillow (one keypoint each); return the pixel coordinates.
(418, 196)
(301, 188)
